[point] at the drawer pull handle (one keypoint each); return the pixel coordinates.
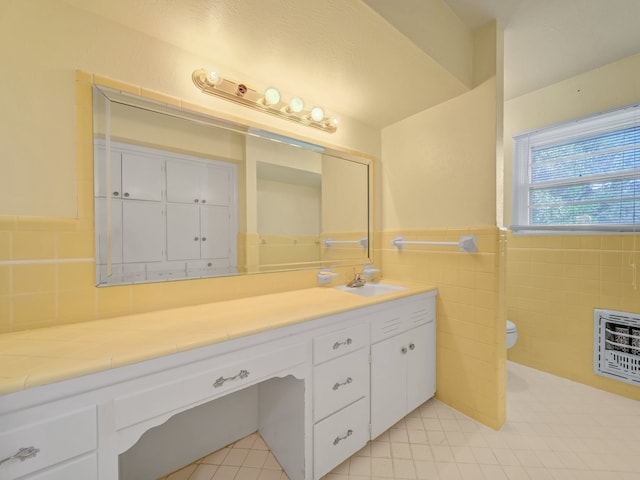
(340, 384)
(241, 374)
(22, 454)
(337, 345)
(339, 439)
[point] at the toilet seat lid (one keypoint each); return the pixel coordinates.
(511, 327)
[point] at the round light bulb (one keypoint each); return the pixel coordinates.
(317, 114)
(296, 105)
(214, 78)
(271, 96)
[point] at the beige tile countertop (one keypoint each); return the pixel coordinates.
(41, 356)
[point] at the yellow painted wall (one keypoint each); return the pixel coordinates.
(439, 182)
(438, 166)
(554, 282)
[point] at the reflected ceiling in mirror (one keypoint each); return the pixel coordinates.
(180, 195)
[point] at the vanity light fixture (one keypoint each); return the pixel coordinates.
(296, 105)
(269, 101)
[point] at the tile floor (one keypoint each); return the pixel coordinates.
(556, 430)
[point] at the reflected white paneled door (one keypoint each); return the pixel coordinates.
(142, 177)
(143, 232)
(215, 225)
(183, 232)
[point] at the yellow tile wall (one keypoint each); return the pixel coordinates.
(553, 285)
(471, 351)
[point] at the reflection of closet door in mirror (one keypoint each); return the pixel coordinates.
(183, 182)
(183, 232)
(142, 177)
(198, 183)
(215, 226)
(143, 231)
(216, 186)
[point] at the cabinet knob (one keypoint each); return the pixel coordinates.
(204, 239)
(403, 350)
(195, 239)
(412, 346)
(203, 201)
(115, 194)
(126, 194)
(195, 200)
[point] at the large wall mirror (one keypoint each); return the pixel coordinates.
(180, 194)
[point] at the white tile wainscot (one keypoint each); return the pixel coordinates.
(306, 387)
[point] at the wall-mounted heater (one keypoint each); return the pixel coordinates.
(616, 352)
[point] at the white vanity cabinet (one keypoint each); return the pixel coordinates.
(403, 361)
(316, 390)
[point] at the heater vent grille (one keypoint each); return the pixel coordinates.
(616, 352)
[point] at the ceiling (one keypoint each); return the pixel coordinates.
(546, 41)
(362, 59)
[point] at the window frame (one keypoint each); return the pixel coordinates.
(581, 128)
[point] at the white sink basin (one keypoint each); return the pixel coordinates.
(371, 289)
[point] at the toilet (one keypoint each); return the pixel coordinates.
(512, 334)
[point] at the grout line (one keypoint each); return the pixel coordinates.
(45, 261)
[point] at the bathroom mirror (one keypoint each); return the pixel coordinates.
(180, 194)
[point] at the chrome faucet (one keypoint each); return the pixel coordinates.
(357, 281)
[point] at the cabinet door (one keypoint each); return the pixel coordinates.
(183, 182)
(421, 361)
(141, 177)
(215, 228)
(216, 185)
(388, 383)
(183, 232)
(143, 232)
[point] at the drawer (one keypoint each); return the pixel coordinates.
(339, 382)
(340, 342)
(56, 439)
(238, 375)
(84, 468)
(339, 436)
(185, 388)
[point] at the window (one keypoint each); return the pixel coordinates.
(579, 176)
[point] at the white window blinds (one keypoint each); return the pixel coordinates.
(582, 175)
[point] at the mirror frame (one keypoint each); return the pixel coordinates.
(166, 105)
